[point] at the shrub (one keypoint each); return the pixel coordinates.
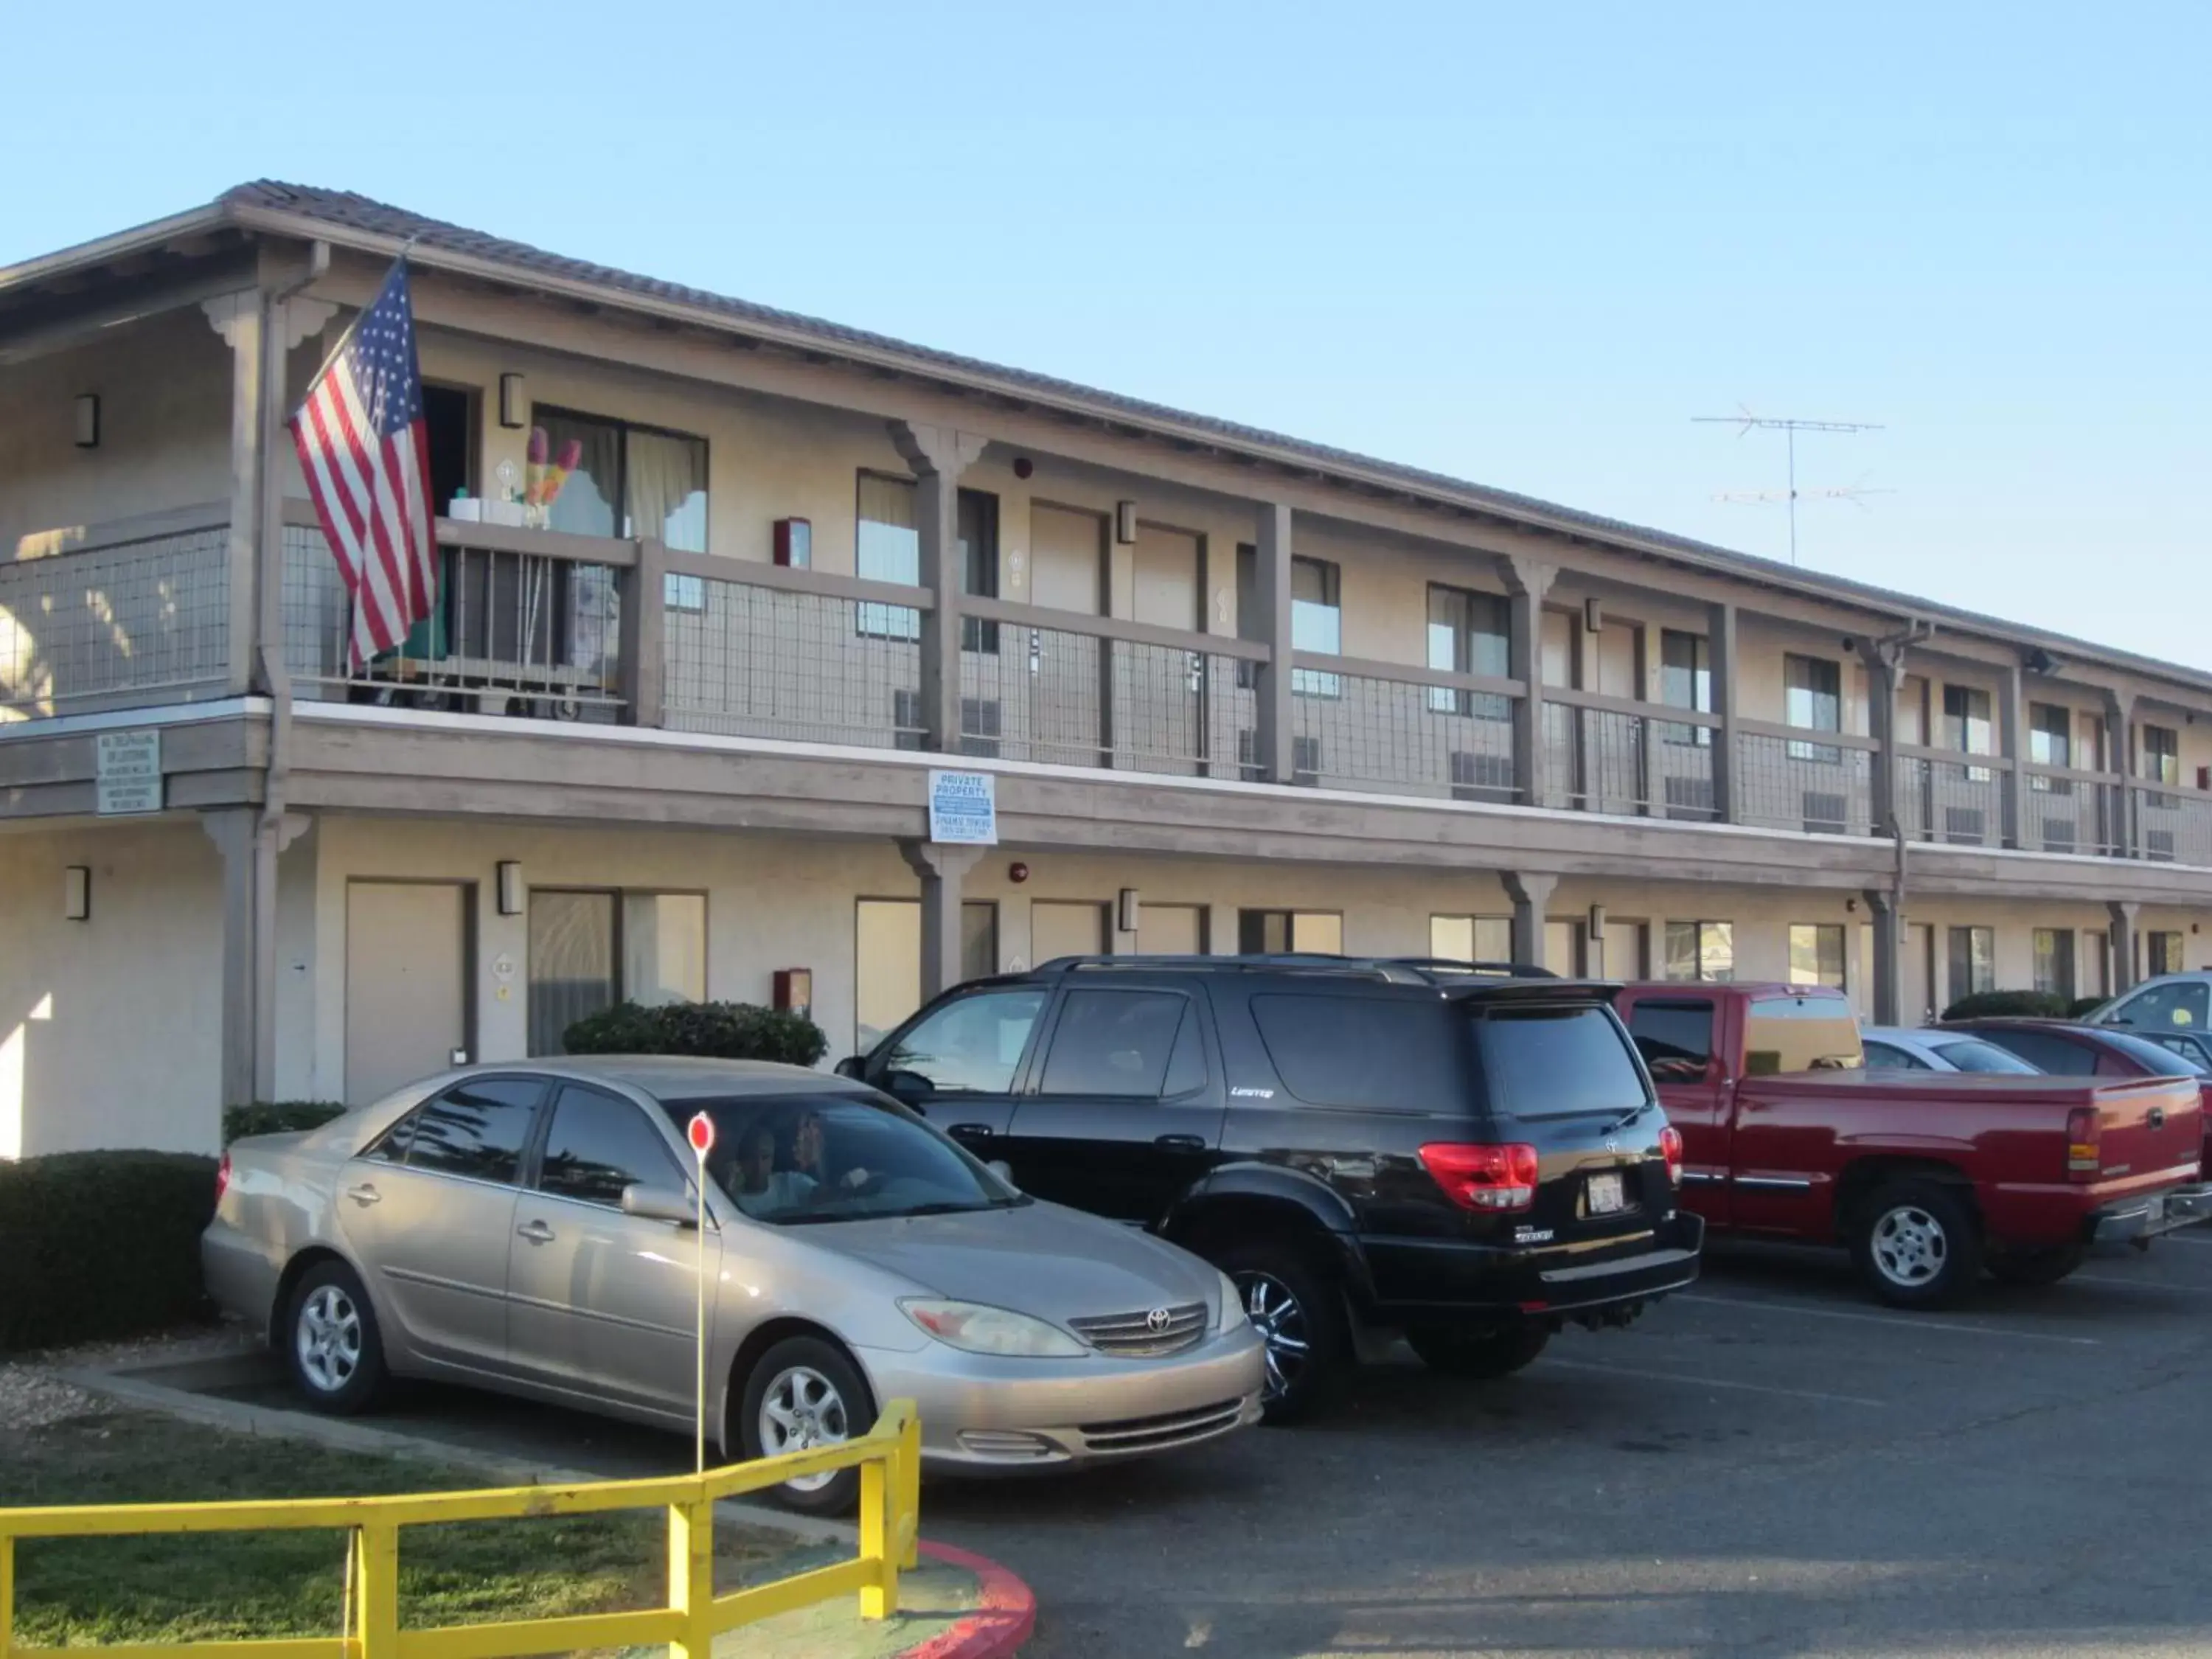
(716, 1030)
(100, 1244)
(2082, 1005)
(275, 1117)
(1991, 1005)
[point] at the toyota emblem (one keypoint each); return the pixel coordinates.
(1157, 1321)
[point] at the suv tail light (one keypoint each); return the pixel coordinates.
(1483, 1177)
(2084, 1143)
(1670, 1148)
(222, 1177)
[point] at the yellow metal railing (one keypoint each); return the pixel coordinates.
(888, 1458)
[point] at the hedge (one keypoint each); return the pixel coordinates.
(2082, 1005)
(716, 1030)
(1992, 1004)
(276, 1117)
(100, 1244)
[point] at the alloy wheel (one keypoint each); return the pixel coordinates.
(802, 1409)
(1911, 1247)
(1280, 1320)
(327, 1339)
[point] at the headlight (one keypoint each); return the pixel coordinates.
(1232, 1305)
(974, 1328)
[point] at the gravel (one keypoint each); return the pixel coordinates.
(33, 1396)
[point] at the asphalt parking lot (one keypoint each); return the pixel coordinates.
(1769, 1465)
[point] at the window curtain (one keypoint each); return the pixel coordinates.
(586, 505)
(664, 481)
(572, 963)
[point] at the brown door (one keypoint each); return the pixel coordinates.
(406, 984)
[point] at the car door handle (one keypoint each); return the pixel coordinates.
(364, 1194)
(1180, 1143)
(971, 1130)
(536, 1231)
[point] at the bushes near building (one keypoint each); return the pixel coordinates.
(1996, 1005)
(276, 1117)
(100, 1244)
(712, 1031)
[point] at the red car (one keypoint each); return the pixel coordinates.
(2065, 1049)
(1929, 1178)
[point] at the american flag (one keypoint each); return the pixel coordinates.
(363, 445)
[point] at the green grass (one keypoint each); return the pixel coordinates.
(183, 1588)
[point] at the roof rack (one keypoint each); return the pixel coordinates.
(1400, 970)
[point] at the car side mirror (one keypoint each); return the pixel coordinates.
(909, 1088)
(853, 1065)
(1000, 1167)
(653, 1203)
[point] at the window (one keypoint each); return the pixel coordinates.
(829, 1157)
(1316, 624)
(1972, 1055)
(1973, 961)
(1701, 950)
(1674, 1038)
(589, 951)
(972, 1046)
(887, 960)
(628, 480)
(2184, 1007)
(887, 548)
(1272, 933)
(1119, 1043)
(1816, 954)
(2164, 952)
(2161, 756)
(1881, 1057)
(2054, 961)
(2190, 1048)
(1468, 634)
(1557, 1062)
(979, 565)
(1814, 701)
(1967, 726)
(1799, 1034)
(1365, 1053)
(1685, 681)
(1471, 938)
(2050, 742)
(2045, 1051)
(597, 1145)
(476, 1130)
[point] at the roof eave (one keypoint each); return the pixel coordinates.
(87, 255)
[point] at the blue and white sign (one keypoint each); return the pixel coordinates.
(963, 808)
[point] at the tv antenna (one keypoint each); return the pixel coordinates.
(1746, 422)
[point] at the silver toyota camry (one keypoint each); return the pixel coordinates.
(534, 1228)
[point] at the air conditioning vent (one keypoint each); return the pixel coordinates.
(979, 729)
(2157, 844)
(1481, 777)
(1964, 826)
(1690, 798)
(2058, 834)
(906, 719)
(1825, 813)
(1247, 756)
(1305, 761)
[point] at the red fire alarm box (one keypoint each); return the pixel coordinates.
(794, 987)
(795, 543)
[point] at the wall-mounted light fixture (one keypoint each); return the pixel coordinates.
(1597, 924)
(510, 888)
(1594, 615)
(794, 991)
(88, 421)
(513, 403)
(77, 893)
(1125, 522)
(1129, 912)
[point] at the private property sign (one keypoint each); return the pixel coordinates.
(963, 809)
(129, 775)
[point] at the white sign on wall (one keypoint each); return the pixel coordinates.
(129, 775)
(963, 808)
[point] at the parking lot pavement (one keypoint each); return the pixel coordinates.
(1769, 1465)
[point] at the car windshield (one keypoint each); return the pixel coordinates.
(1972, 1055)
(2161, 1060)
(797, 1159)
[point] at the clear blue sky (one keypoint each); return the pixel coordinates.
(1522, 245)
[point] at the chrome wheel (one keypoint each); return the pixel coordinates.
(1280, 1319)
(326, 1338)
(802, 1409)
(1909, 1247)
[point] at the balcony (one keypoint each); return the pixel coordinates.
(550, 627)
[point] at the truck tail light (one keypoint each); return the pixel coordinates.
(1489, 1178)
(2084, 1143)
(222, 1177)
(1670, 1148)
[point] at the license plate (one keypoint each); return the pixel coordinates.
(1606, 1196)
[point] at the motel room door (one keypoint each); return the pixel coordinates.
(406, 984)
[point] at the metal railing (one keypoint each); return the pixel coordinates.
(2174, 825)
(1414, 735)
(889, 1457)
(1073, 698)
(528, 625)
(127, 621)
(1960, 803)
(2069, 811)
(1816, 783)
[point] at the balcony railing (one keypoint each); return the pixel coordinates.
(117, 619)
(534, 623)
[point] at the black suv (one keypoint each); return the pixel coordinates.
(1467, 1153)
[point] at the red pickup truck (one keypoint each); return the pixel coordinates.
(1929, 1178)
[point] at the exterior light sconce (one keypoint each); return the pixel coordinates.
(1129, 912)
(1594, 615)
(88, 421)
(77, 893)
(1125, 522)
(513, 403)
(510, 888)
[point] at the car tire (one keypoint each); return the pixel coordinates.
(1299, 1314)
(1917, 1244)
(1478, 1354)
(806, 1392)
(331, 1344)
(2036, 1268)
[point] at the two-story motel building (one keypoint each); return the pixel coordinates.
(1234, 691)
